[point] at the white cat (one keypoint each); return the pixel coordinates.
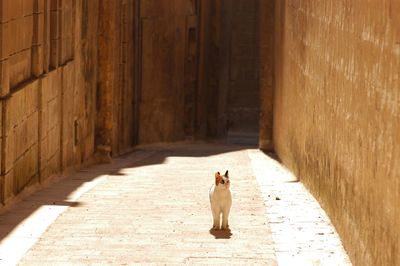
(220, 200)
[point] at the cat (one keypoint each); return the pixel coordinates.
(220, 200)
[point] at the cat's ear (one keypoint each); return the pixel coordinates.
(217, 178)
(226, 173)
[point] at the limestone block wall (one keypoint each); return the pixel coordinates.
(116, 122)
(243, 97)
(47, 93)
(229, 67)
(17, 19)
(337, 116)
(267, 72)
(128, 124)
(165, 29)
(210, 57)
(50, 121)
(20, 140)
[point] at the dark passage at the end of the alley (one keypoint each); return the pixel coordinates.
(312, 84)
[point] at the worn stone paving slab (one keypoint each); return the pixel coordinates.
(151, 208)
(301, 230)
(24, 224)
(156, 211)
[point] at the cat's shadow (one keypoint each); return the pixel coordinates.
(221, 234)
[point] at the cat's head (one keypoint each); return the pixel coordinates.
(222, 180)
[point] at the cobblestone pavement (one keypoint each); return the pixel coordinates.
(151, 208)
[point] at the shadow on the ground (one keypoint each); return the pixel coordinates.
(59, 192)
(221, 234)
(180, 150)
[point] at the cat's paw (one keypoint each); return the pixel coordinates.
(225, 227)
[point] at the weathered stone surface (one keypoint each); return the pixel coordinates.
(43, 116)
(86, 57)
(17, 34)
(5, 78)
(81, 75)
(50, 131)
(167, 8)
(162, 95)
(242, 99)
(21, 140)
(102, 214)
(174, 231)
(228, 86)
(336, 117)
(267, 71)
(116, 122)
(70, 129)
(164, 40)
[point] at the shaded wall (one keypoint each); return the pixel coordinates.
(266, 72)
(48, 81)
(230, 59)
(337, 116)
(168, 78)
(243, 97)
(116, 99)
(84, 78)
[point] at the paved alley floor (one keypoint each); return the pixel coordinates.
(151, 207)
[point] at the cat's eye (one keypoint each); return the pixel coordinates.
(222, 182)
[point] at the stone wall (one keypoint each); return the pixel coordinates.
(267, 72)
(243, 97)
(48, 81)
(229, 69)
(164, 42)
(336, 116)
(83, 78)
(116, 120)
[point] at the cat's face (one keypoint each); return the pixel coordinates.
(222, 180)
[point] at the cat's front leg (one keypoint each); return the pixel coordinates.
(225, 215)
(216, 219)
(216, 224)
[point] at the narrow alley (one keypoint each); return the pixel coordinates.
(151, 207)
(115, 116)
